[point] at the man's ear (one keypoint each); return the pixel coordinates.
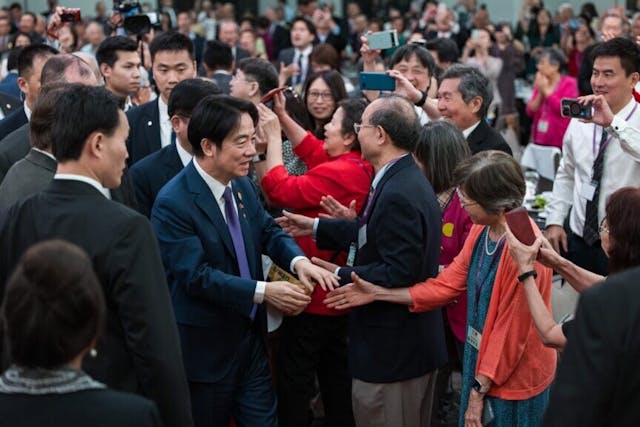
(94, 146)
(476, 104)
(23, 85)
(105, 70)
(175, 123)
(209, 148)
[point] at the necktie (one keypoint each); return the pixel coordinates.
(367, 207)
(233, 223)
(591, 233)
(299, 80)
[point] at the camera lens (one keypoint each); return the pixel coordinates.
(575, 108)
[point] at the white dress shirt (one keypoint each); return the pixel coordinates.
(92, 182)
(185, 156)
(468, 130)
(304, 72)
(165, 123)
(580, 147)
(27, 111)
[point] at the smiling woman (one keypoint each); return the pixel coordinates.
(322, 93)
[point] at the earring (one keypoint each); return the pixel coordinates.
(93, 353)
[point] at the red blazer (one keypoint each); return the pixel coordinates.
(346, 177)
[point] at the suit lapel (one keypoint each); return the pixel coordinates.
(152, 121)
(207, 203)
(403, 163)
(244, 225)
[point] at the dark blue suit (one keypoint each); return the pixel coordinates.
(150, 174)
(212, 303)
(12, 122)
(387, 343)
(144, 136)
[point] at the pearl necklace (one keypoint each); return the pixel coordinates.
(486, 242)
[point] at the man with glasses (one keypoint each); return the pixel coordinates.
(393, 354)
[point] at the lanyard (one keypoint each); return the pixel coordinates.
(605, 143)
(480, 284)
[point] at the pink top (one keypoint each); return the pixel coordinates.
(548, 125)
(455, 229)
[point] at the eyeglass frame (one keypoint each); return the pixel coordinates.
(320, 95)
(358, 126)
(604, 226)
(464, 202)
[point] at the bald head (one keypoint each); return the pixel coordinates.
(68, 69)
(398, 118)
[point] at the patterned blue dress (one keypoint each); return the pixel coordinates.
(482, 272)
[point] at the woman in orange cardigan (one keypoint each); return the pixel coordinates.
(506, 368)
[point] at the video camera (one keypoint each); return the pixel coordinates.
(134, 21)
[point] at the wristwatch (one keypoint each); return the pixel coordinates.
(479, 387)
(422, 100)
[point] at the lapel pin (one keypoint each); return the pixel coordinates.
(240, 206)
(239, 195)
(8, 106)
(149, 123)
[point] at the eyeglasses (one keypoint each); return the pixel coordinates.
(464, 202)
(323, 95)
(358, 126)
(604, 226)
(244, 79)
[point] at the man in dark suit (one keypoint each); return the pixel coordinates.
(212, 230)
(139, 350)
(8, 104)
(598, 378)
(9, 84)
(393, 354)
(464, 96)
(119, 63)
(172, 60)
(150, 174)
(294, 61)
(30, 63)
(229, 34)
(218, 64)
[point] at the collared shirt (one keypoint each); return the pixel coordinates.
(305, 61)
(185, 156)
(92, 182)
(468, 130)
(128, 104)
(165, 123)
(580, 148)
(46, 153)
(27, 111)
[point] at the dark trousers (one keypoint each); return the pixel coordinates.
(245, 392)
(591, 258)
(313, 345)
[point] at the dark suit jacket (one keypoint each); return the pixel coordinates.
(139, 350)
(150, 174)
(144, 136)
(598, 380)
(240, 54)
(28, 176)
(9, 85)
(96, 408)
(222, 80)
(484, 138)
(586, 68)
(12, 122)
(387, 343)
(211, 301)
(286, 57)
(13, 148)
(9, 104)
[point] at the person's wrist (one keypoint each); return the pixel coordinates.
(524, 275)
(420, 98)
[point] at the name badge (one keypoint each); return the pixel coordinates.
(351, 258)
(588, 190)
(543, 126)
(362, 236)
(474, 338)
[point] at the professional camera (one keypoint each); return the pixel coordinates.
(135, 22)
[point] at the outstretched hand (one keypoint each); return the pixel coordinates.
(309, 273)
(337, 210)
(294, 224)
(355, 294)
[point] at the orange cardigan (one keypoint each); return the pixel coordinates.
(511, 353)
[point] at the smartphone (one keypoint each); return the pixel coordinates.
(383, 39)
(377, 81)
(70, 15)
(269, 95)
(520, 225)
(572, 108)
(475, 34)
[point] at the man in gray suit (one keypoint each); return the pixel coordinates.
(35, 171)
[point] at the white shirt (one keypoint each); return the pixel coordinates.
(305, 61)
(468, 130)
(27, 111)
(165, 123)
(621, 166)
(92, 182)
(185, 156)
(46, 153)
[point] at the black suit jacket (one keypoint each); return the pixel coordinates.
(387, 342)
(223, 81)
(484, 138)
(139, 351)
(13, 148)
(150, 174)
(144, 134)
(598, 381)
(12, 122)
(586, 68)
(96, 408)
(9, 104)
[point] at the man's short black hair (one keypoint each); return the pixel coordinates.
(186, 95)
(171, 41)
(217, 56)
(446, 48)
(29, 53)
(12, 59)
(107, 52)
(215, 117)
(404, 53)
(308, 23)
(81, 104)
(260, 70)
(623, 48)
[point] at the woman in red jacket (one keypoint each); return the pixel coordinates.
(314, 343)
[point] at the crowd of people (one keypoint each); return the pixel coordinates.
(207, 221)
